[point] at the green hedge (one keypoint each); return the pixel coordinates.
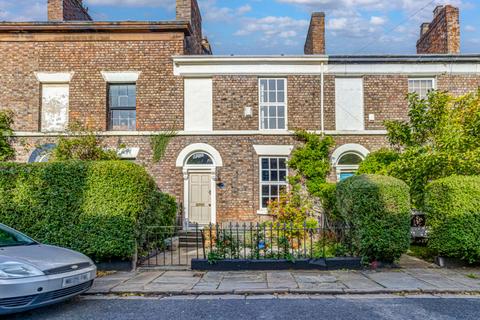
(98, 208)
(452, 206)
(376, 211)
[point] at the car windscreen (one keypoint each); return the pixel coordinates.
(9, 237)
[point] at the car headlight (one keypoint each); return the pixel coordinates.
(15, 270)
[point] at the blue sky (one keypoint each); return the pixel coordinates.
(280, 26)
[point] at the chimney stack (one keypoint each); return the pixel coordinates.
(442, 35)
(188, 10)
(315, 43)
(67, 10)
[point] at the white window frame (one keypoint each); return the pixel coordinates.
(267, 104)
(262, 183)
(433, 79)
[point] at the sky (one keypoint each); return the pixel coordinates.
(259, 27)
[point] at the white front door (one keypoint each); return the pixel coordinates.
(200, 198)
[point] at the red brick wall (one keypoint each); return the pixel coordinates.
(458, 84)
(443, 35)
(304, 106)
(231, 94)
(386, 98)
(159, 93)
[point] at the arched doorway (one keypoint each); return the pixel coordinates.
(347, 158)
(199, 164)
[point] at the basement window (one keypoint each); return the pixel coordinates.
(122, 107)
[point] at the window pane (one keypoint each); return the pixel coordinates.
(265, 202)
(265, 191)
(272, 96)
(272, 85)
(281, 84)
(274, 190)
(350, 159)
(274, 175)
(281, 123)
(122, 96)
(265, 163)
(265, 124)
(122, 120)
(283, 175)
(282, 163)
(265, 175)
(272, 112)
(200, 158)
(273, 163)
(272, 123)
(280, 96)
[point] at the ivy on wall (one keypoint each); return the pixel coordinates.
(6, 150)
(159, 144)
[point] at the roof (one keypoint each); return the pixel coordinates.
(334, 59)
(95, 26)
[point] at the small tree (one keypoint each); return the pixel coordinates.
(441, 138)
(84, 146)
(7, 152)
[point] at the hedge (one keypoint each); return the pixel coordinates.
(98, 208)
(452, 206)
(376, 212)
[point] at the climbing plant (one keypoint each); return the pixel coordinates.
(159, 144)
(6, 132)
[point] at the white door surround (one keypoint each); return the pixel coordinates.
(345, 149)
(207, 167)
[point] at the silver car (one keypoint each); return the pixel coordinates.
(34, 275)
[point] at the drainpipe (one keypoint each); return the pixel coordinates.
(322, 106)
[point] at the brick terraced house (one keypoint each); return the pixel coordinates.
(234, 115)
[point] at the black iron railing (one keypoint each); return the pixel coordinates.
(171, 246)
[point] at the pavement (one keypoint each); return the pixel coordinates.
(268, 307)
(384, 281)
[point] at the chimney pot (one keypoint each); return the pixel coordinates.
(437, 10)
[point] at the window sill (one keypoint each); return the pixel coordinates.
(263, 212)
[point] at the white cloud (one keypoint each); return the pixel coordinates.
(271, 25)
(212, 12)
(23, 10)
(470, 28)
(377, 21)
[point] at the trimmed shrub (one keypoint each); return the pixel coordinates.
(98, 208)
(376, 211)
(452, 206)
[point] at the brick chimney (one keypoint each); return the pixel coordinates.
(67, 10)
(442, 35)
(188, 10)
(315, 43)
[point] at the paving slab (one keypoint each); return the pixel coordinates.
(397, 280)
(242, 285)
(434, 278)
(281, 279)
(145, 277)
(356, 280)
